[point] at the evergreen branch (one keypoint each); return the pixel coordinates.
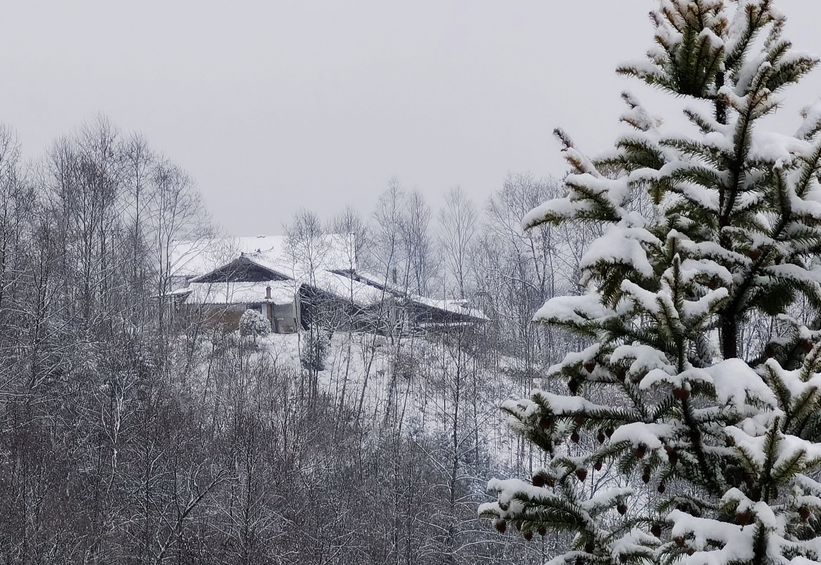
(637, 153)
(809, 171)
(773, 378)
(804, 407)
(790, 71)
(698, 175)
(698, 447)
(685, 502)
(735, 56)
(785, 471)
(704, 124)
(664, 408)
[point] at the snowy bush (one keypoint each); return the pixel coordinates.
(715, 439)
(252, 323)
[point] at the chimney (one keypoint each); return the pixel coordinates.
(268, 293)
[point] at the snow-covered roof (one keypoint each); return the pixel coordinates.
(333, 252)
(254, 266)
(458, 307)
(192, 258)
(344, 287)
(379, 282)
(331, 269)
(282, 292)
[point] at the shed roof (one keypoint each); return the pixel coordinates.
(457, 308)
(346, 288)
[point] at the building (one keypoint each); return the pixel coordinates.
(296, 285)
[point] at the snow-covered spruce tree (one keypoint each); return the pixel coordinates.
(717, 445)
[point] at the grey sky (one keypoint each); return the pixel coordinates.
(275, 105)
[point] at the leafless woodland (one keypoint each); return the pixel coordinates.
(125, 438)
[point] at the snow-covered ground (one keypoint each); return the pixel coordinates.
(418, 384)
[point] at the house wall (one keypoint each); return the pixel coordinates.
(223, 316)
(284, 317)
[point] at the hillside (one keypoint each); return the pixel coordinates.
(396, 445)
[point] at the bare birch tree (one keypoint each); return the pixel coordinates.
(457, 224)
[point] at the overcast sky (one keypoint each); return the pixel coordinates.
(275, 105)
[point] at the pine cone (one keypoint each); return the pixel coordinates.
(742, 518)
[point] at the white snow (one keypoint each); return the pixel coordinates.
(573, 309)
(621, 245)
(638, 433)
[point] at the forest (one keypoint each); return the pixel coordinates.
(128, 437)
